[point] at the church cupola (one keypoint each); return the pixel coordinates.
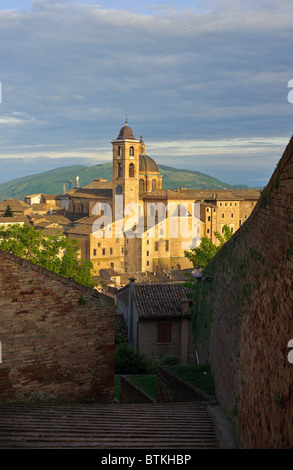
(126, 165)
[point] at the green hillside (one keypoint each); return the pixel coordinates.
(52, 181)
(173, 178)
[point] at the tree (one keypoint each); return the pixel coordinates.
(8, 212)
(56, 253)
(202, 255)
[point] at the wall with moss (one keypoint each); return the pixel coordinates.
(244, 318)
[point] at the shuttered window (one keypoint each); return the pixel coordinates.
(164, 332)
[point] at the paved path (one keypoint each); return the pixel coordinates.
(117, 426)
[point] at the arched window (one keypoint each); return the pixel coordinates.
(119, 151)
(119, 170)
(154, 185)
(131, 170)
(141, 185)
(131, 151)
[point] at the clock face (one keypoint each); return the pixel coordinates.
(119, 189)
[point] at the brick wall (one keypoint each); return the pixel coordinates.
(131, 393)
(244, 317)
(174, 389)
(181, 344)
(57, 336)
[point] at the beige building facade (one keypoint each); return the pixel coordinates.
(131, 224)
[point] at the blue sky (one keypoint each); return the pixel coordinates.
(205, 82)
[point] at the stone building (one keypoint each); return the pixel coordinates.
(158, 319)
(131, 224)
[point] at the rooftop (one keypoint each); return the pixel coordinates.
(161, 300)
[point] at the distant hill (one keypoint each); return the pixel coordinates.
(52, 181)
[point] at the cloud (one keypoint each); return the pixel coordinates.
(186, 72)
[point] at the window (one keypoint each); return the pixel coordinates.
(104, 251)
(111, 251)
(119, 169)
(99, 244)
(245, 216)
(122, 250)
(221, 204)
(225, 203)
(112, 265)
(156, 246)
(95, 252)
(131, 151)
(119, 151)
(141, 185)
(232, 215)
(148, 242)
(232, 229)
(167, 245)
(223, 215)
(154, 185)
(148, 253)
(208, 209)
(131, 170)
(164, 332)
(209, 218)
(208, 230)
(148, 263)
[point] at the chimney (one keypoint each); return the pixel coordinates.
(186, 304)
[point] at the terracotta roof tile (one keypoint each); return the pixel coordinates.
(160, 300)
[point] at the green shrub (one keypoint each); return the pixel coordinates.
(170, 361)
(130, 361)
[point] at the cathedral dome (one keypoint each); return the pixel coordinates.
(147, 164)
(125, 133)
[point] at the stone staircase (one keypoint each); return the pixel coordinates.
(185, 425)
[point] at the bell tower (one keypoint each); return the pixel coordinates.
(126, 167)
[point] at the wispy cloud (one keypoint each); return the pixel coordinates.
(198, 78)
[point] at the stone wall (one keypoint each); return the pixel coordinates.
(131, 393)
(244, 317)
(57, 336)
(174, 389)
(181, 344)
